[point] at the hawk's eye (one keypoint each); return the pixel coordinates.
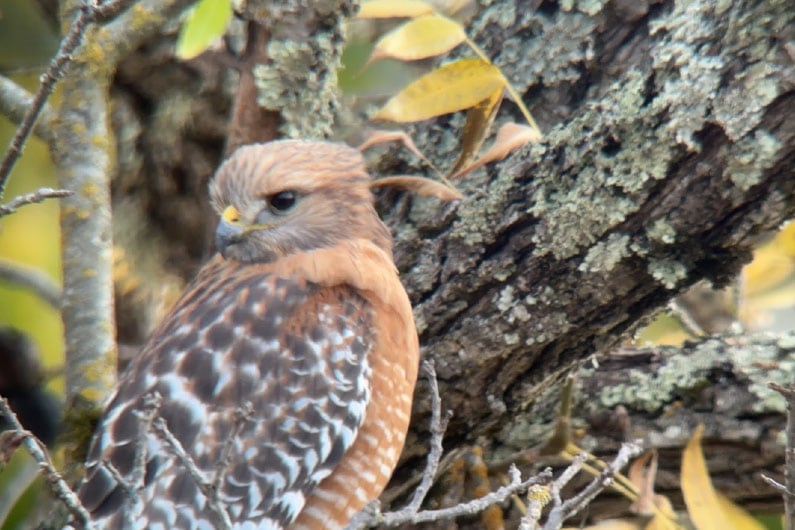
(282, 201)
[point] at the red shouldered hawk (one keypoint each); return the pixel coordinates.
(302, 316)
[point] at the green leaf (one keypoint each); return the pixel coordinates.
(206, 22)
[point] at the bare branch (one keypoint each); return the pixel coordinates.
(563, 510)
(35, 281)
(241, 416)
(778, 486)
(211, 490)
(438, 427)
(516, 485)
(789, 460)
(58, 64)
(15, 102)
(30, 198)
(54, 480)
(84, 164)
(537, 504)
(161, 429)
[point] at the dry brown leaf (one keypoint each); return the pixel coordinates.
(479, 120)
(419, 185)
(449, 88)
(643, 473)
(394, 9)
(510, 137)
(422, 37)
(378, 136)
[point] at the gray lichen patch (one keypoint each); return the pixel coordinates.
(603, 256)
(756, 361)
(651, 391)
(662, 232)
(739, 108)
(598, 188)
(687, 67)
(751, 156)
(300, 84)
(762, 364)
(668, 272)
(526, 62)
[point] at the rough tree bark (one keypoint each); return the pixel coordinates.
(669, 148)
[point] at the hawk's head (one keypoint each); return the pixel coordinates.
(290, 196)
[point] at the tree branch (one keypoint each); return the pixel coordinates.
(83, 162)
(87, 14)
(55, 482)
(32, 198)
(789, 468)
(35, 281)
(16, 102)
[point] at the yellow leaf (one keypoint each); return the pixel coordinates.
(420, 186)
(450, 88)
(419, 38)
(741, 519)
(206, 22)
(510, 137)
(707, 511)
(479, 120)
(394, 9)
(665, 517)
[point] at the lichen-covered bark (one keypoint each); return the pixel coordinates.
(667, 392)
(668, 148)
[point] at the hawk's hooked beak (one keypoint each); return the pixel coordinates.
(230, 230)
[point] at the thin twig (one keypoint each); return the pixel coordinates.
(88, 13)
(33, 280)
(438, 428)
(130, 492)
(372, 511)
(686, 319)
(534, 510)
(516, 485)
(31, 198)
(54, 480)
(789, 458)
(135, 484)
(161, 429)
(778, 486)
(242, 415)
(572, 506)
(147, 413)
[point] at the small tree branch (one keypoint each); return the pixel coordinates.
(35, 281)
(566, 509)
(516, 485)
(210, 489)
(55, 482)
(160, 427)
(789, 459)
(84, 164)
(222, 465)
(15, 102)
(30, 198)
(438, 427)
